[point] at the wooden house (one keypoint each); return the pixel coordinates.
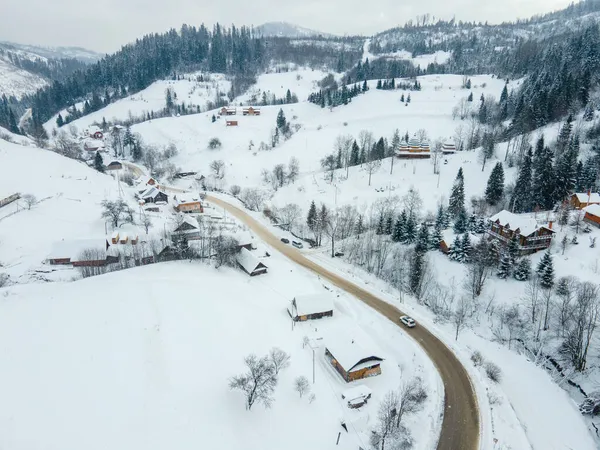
(188, 224)
(146, 181)
(153, 195)
(115, 165)
(231, 123)
(580, 200)
(530, 236)
(351, 360)
(448, 148)
(223, 111)
(310, 307)
(251, 111)
(80, 252)
(250, 263)
(5, 199)
(227, 111)
(414, 149)
(187, 206)
(592, 215)
(93, 145)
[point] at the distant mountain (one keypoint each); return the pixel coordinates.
(78, 53)
(284, 29)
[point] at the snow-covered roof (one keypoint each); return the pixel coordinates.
(94, 129)
(93, 143)
(151, 192)
(414, 142)
(73, 248)
(526, 224)
(583, 197)
(144, 180)
(178, 200)
(349, 349)
(248, 261)
(594, 210)
(356, 392)
(312, 304)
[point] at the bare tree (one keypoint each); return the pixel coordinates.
(436, 156)
(95, 258)
(331, 228)
(422, 134)
(146, 222)
(29, 200)
(347, 218)
(329, 163)
(279, 359)
(293, 169)
(225, 248)
(288, 215)
(366, 140)
(218, 168)
(235, 190)
(460, 316)
(302, 386)
(493, 372)
(386, 424)
(343, 145)
(279, 176)
(411, 396)
(371, 167)
(459, 137)
(258, 383)
(412, 202)
(117, 212)
(479, 268)
(253, 198)
(67, 146)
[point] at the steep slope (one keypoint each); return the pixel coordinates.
(78, 53)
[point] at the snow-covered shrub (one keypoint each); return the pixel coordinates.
(3, 279)
(591, 405)
(493, 372)
(214, 144)
(477, 358)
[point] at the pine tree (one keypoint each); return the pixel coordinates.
(379, 86)
(588, 114)
(513, 250)
(288, 97)
(98, 163)
(547, 275)
(472, 225)
(504, 94)
(461, 223)
(395, 141)
(380, 225)
(564, 135)
(541, 267)
(495, 186)
(281, 120)
(423, 243)
(466, 247)
(521, 200)
(399, 234)
(360, 226)
(565, 170)
(365, 88)
(355, 155)
(213, 118)
(523, 270)
(456, 252)
(59, 121)
(504, 267)
(312, 218)
(470, 97)
(137, 151)
(481, 226)
(436, 238)
(416, 273)
(128, 139)
(402, 98)
(410, 230)
(104, 125)
(408, 98)
(457, 196)
(389, 225)
(441, 218)
(543, 184)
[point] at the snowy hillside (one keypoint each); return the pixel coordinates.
(69, 195)
(81, 54)
(18, 82)
(284, 29)
(142, 359)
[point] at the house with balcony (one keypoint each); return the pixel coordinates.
(530, 235)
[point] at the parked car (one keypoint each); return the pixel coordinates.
(285, 240)
(297, 244)
(339, 254)
(408, 321)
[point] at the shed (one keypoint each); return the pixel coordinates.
(153, 195)
(6, 198)
(250, 263)
(357, 396)
(352, 359)
(592, 215)
(310, 307)
(115, 165)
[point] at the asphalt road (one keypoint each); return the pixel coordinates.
(460, 427)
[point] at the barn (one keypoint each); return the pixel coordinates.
(350, 358)
(80, 252)
(250, 263)
(310, 307)
(231, 123)
(115, 165)
(592, 215)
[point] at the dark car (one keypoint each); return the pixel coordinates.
(339, 254)
(285, 240)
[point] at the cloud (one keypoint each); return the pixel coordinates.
(108, 25)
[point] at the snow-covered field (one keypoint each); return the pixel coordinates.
(142, 358)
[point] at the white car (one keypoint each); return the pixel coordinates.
(408, 321)
(297, 244)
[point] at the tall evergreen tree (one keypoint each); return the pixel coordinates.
(523, 270)
(312, 218)
(355, 155)
(281, 120)
(521, 200)
(423, 243)
(457, 196)
(504, 267)
(466, 247)
(495, 187)
(136, 152)
(59, 121)
(389, 225)
(410, 230)
(565, 170)
(380, 225)
(456, 251)
(98, 163)
(547, 275)
(399, 234)
(544, 183)
(461, 223)
(416, 273)
(546, 259)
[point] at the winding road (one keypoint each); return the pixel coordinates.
(460, 426)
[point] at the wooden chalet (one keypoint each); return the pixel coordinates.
(530, 236)
(187, 206)
(580, 200)
(231, 123)
(310, 307)
(153, 195)
(80, 252)
(448, 148)
(146, 181)
(592, 215)
(250, 263)
(225, 111)
(5, 199)
(414, 149)
(251, 111)
(115, 165)
(351, 360)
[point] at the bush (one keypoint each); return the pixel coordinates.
(493, 372)
(3, 280)
(214, 144)
(128, 178)
(170, 151)
(235, 190)
(477, 358)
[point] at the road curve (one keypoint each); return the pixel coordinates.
(460, 426)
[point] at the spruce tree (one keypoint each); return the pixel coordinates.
(547, 275)
(360, 226)
(379, 86)
(541, 267)
(312, 218)
(137, 151)
(521, 200)
(399, 234)
(504, 267)
(281, 120)
(365, 88)
(495, 186)
(565, 170)
(408, 98)
(402, 98)
(456, 253)
(59, 121)
(440, 219)
(461, 223)
(481, 226)
(213, 118)
(380, 225)
(588, 114)
(466, 247)
(423, 243)
(436, 238)
(472, 225)
(523, 270)
(128, 139)
(389, 225)
(98, 163)
(355, 155)
(416, 273)
(544, 183)
(410, 229)
(457, 196)
(513, 250)
(470, 97)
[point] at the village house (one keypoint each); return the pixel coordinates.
(6, 198)
(448, 148)
(187, 206)
(187, 227)
(227, 111)
(250, 263)
(251, 111)
(94, 132)
(414, 149)
(115, 165)
(580, 200)
(153, 195)
(310, 307)
(146, 181)
(592, 215)
(80, 252)
(231, 123)
(530, 236)
(350, 358)
(93, 145)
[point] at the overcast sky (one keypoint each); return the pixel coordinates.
(105, 26)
